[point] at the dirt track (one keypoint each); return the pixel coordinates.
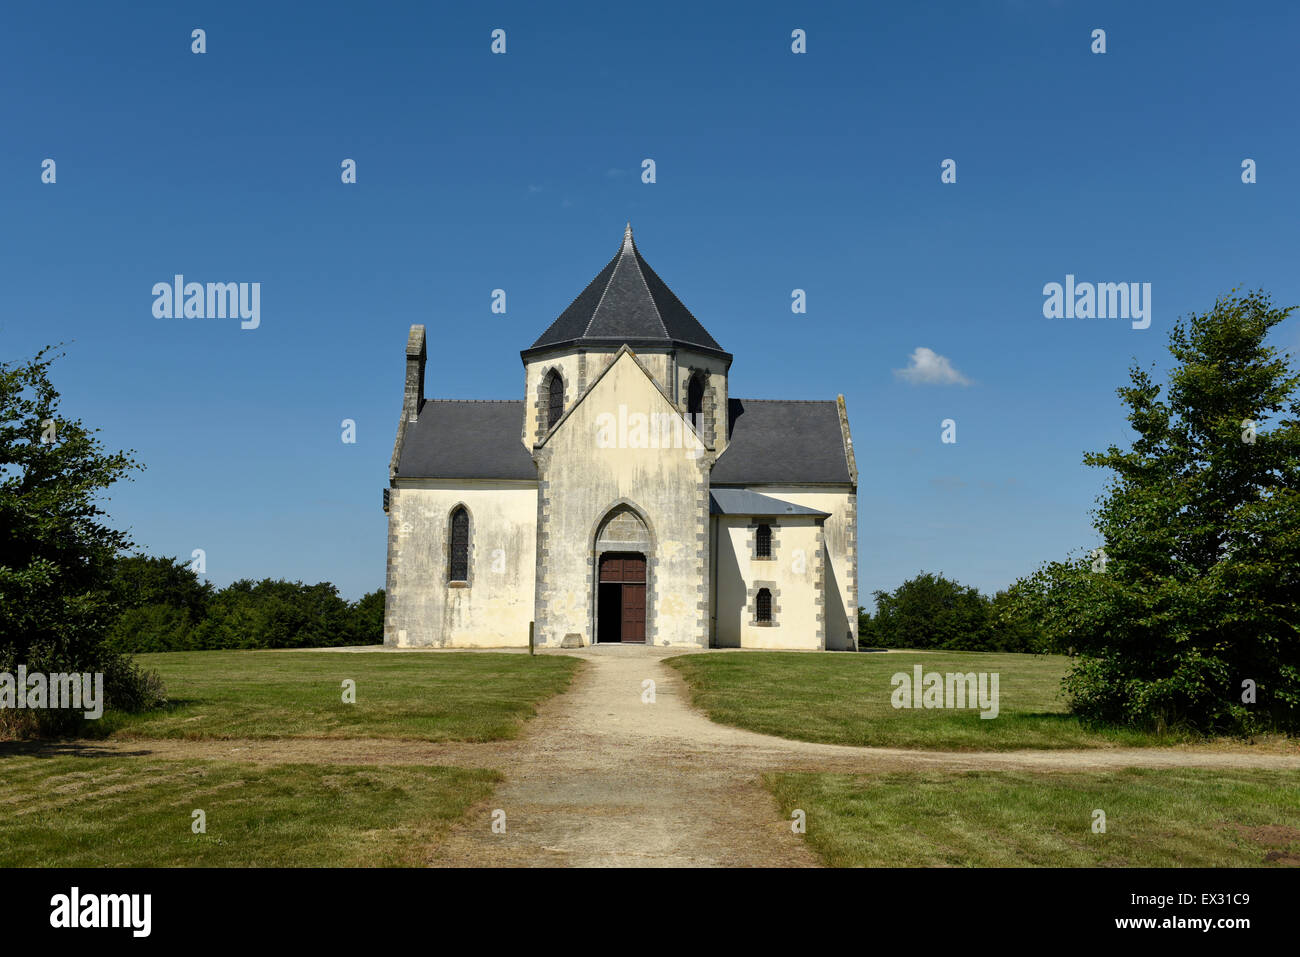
(600, 778)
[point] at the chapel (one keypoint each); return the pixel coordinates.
(627, 497)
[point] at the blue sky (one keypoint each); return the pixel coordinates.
(775, 171)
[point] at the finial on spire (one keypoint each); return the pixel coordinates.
(627, 234)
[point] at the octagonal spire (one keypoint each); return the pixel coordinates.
(628, 303)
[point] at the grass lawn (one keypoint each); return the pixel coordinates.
(136, 812)
(1185, 817)
(273, 694)
(845, 699)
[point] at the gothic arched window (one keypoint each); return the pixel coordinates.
(555, 399)
(763, 601)
(695, 397)
(458, 571)
(763, 542)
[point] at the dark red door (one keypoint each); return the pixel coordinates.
(633, 612)
(626, 571)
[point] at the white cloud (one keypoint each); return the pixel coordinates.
(927, 367)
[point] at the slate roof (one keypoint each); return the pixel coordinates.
(772, 442)
(455, 438)
(777, 440)
(627, 302)
(739, 501)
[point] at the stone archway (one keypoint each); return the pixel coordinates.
(623, 547)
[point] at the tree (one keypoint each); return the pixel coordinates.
(1041, 603)
(866, 628)
(56, 551)
(162, 602)
(276, 614)
(1192, 599)
(156, 627)
(368, 619)
(1011, 628)
(167, 608)
(930, 611)
(143, 580)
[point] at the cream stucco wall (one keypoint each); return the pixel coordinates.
(590, 463)
(494, 609)
(841, 569)
(792, 574)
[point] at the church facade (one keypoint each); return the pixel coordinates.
(627, 498)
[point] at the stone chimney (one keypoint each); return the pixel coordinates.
(413, 393)
(415, 356)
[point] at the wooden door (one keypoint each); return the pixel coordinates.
(633, 612)
(627, 569)
(634, 568)
(622, 567)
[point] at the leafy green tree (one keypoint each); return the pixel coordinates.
(930, 611)
(1011, 628)
(866, 629)
(1196, 589)
(162, 601)
(147, 580)
(56, 550)
(276, 614)
(368, 619)
(156, 627)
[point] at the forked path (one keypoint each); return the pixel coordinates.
(603, 778)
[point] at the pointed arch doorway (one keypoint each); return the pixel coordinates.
(623, 546)
(621, 603)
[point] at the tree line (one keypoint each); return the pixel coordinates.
(165, 607)
(931, 611)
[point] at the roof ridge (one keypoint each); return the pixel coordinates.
(498, 401)
(674, 299)
(739, 398)
(618, 257)
(636, 256)
(574, 301)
